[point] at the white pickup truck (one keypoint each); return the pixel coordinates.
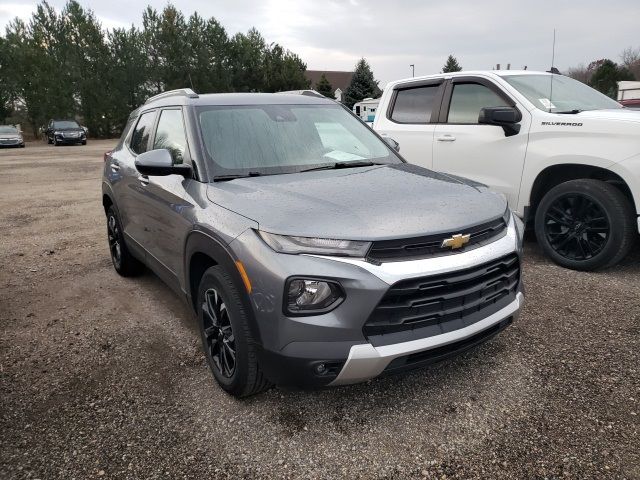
(566, 157)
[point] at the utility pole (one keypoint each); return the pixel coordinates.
(413, 70)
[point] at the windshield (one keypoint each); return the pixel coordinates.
(273, 139)
(66, 124)
(8, 129)
(568, 95)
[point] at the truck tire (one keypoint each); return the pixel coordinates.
(585, 224)
(226, 336)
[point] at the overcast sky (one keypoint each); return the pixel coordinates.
(334, 34)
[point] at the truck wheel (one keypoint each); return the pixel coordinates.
(124, 263)
(226, 338)
(585, 224)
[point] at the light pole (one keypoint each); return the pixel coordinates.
(413, 70)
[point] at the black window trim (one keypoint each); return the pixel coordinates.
(446, 101)
(437, 99)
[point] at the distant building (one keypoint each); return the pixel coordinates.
(366, 109)
(339, 80)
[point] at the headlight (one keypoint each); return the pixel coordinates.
(318, 246)
(307, 296)
(57, 133)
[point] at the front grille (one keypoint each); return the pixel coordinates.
(429, 246)
(427, 306)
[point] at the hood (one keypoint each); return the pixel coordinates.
(366, 203)
(10, 135)
(622, 114)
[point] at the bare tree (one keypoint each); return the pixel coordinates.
(631, 60)
(580, 73)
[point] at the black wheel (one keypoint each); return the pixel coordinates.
(585, 224)
(226, 337)
(49, 141)
(55, 142)
(84, 142)
(124, 263)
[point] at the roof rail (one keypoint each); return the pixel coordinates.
(184, 92)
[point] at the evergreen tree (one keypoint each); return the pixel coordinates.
(324, 87)
(362, 85)
(606, 76)
(451, 65)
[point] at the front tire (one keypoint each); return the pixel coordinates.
(585, 224)
(124, 263)
(226, 337)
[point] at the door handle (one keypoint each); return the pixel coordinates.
(115, 166)
(446, 138)
(144, 180)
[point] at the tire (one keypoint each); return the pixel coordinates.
(225, 332)
(55, 142)
(123, 262)
(84, 142)
(49, 141)
(585, 224)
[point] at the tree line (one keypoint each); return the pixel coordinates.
(65, 65)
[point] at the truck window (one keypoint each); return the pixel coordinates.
(414, 105)
(468, 98)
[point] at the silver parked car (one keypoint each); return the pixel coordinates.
(10, 136)
(311, 252)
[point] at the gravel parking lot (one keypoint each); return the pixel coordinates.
(102, 376)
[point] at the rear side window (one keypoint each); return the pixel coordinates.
(142, 132)
(170, 134)
(414, 105)
(468, 99)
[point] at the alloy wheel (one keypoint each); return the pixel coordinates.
(219, 338)
(113, 233)
(576, 227)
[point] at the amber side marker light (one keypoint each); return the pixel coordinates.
(243, 274)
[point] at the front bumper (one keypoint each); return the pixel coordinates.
(294, 348)
(366, 361)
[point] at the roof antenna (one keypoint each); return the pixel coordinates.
(191, 82)
(553, 59)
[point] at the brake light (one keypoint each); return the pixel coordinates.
(106, 155)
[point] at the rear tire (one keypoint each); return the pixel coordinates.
(124, 263)
(585, 224)
(226, 337)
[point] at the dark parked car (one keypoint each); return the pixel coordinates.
(10, 136)
(61, 132)
(312, 253)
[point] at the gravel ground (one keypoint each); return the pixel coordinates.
(102, 376)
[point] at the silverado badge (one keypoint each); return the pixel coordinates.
(456, 241)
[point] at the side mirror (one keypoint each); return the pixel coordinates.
(505, 117)
(392, 143)
(159, 163)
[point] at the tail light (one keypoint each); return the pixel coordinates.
(106, 155)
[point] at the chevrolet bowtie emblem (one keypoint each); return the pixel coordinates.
(456, 241)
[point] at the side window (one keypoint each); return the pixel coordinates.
(468, 98)
(140, 138)
(414, 105)
(170, 134)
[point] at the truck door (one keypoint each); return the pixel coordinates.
(480, 152)
(410, 119)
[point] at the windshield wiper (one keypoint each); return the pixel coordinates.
(570, 112)
(338, 165)
(220, 178)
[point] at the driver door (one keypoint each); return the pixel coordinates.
(479, 152)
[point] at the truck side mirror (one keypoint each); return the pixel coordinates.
(505, 117)
(392, 143)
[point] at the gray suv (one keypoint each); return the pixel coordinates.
(312, 253)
